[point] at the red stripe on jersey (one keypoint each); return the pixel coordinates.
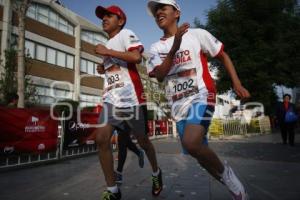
(221, 50)
(208, 81)
(140, 48)
(136, 80)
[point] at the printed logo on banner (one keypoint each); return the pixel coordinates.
(73, 126)
(33, 125)
(41, 146)
(9, 149)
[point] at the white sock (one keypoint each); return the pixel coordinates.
(113, 189)
(156, 173)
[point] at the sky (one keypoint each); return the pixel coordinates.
(138, 19)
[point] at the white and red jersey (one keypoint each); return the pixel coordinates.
(189, 79)
(123, 86)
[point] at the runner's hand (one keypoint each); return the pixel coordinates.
(100, 68)
(178, 36)
(102, 50)
(241, 91)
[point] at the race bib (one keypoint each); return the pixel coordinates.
(182, 84)
(114, 77)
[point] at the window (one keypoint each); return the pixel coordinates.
(49, 17)
(61, 59)
(95, 69)
(51, 53)
(63, 25)
(93, 38)
(42, 14)
(90, 67)
(70, 61)
(70, 29)
(40, 52)
(52, 19)
(31, 11)
(83, 65)
(29, 46)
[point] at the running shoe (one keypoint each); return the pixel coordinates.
(118, 177)
(157, 184)
(108, 195)
(233, 184)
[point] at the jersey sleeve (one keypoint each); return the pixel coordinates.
(131, 41)
(209, 44)
(153, 60)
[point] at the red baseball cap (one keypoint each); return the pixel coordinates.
(101, 11)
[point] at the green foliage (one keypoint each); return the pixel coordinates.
(8, 80)
(262, 38)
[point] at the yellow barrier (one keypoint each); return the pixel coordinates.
(228, 127)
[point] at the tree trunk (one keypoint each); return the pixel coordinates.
(21, 11)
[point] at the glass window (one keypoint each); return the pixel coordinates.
(70, 61)
(31, 11)
(43, 14)
(40, 90)
(70, 29)
(40, 52)
(48, 91)
(90, 67)
(61, 59)
(52, 19)
(29, 46)
(59, 93)
(51, 53)
(95, 69)
(63, 25)
(83, 65)
(84, 36)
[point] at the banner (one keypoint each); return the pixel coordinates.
(27, 131)
(80, 132)
(161, 127)
(170, 127)
(150, 128)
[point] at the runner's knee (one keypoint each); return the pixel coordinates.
(103, 137)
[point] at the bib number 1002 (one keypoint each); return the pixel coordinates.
(112, 79)
(183, 86)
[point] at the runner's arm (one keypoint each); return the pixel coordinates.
(133, 56)
(162, 70)
(237, 85)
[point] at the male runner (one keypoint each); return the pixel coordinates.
(123, 97)
(179, 59)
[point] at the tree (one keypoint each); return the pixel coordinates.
(262, 38)
(8, 80)
(21, 7)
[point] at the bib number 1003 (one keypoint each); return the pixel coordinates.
(112, 79)
(183, 86)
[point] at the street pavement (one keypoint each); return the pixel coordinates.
(268, 169)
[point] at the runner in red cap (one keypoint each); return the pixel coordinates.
(124, 99)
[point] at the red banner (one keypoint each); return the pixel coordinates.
(161, 127)
(27, 131)
(150, 127)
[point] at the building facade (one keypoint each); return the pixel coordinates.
(61, 49)
(62, 63)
